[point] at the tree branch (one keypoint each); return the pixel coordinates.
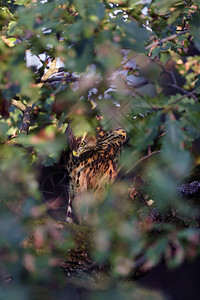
(26, 120)
(26, 110)
(65, 78)
(175, 86)
(18, 104)
(52, 69)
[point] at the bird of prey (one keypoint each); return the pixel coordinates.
(92, 162)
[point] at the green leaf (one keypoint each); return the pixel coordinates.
(91, 9)
(190, 122)
(84, 55)
(173, 153)
(164, 5)
(95, 10)
(81, 7)
(195, 28)
(147, 131)
(3, 129)
(197, 86)
(156, 252)
(135, 37)
(162, 186)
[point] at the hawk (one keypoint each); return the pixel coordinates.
(91, 164)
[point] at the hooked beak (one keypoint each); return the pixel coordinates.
(76, 153)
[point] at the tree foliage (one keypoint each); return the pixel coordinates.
(133, 64)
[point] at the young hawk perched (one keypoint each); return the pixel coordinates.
(91, 164)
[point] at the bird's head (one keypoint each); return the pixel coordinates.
(82, 145)
(87, 143)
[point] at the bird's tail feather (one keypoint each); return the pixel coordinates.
(69, 216)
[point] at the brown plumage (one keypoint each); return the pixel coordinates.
(91, 164)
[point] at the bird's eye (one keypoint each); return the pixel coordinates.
(82, 144)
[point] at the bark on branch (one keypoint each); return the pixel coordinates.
(52, 70)
(26, 120)
(18, 104)
(26, 110)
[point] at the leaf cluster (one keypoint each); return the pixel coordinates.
(113, 64)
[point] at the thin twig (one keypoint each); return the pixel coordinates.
(169, 38)
(140, 160)
(145, 202)
(190, 94)
(172, 76)
(173, 85)
(167, 72)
